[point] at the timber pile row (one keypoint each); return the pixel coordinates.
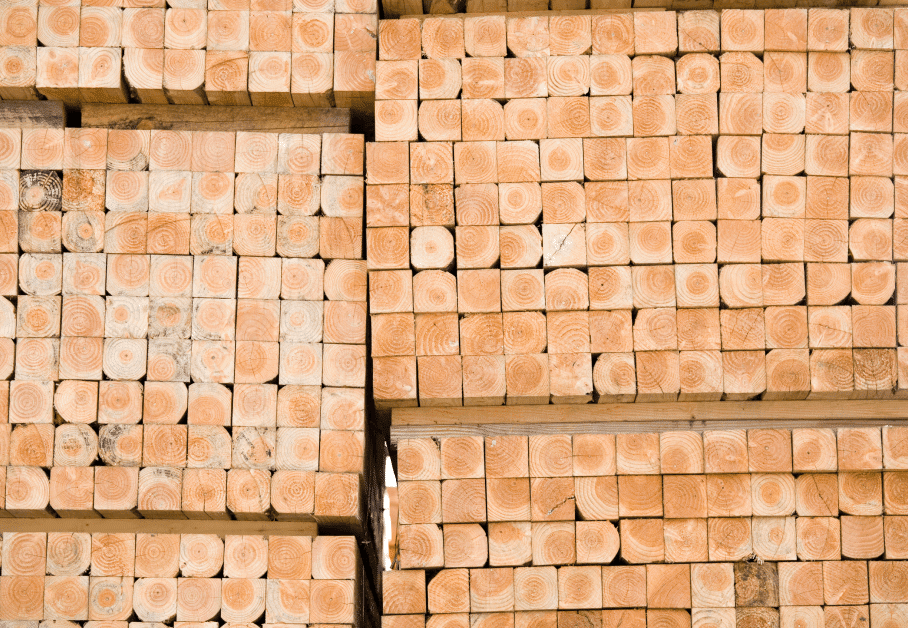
(184, 322)
(303, 53)
(755, 529)
(648, 206)
(187, 581)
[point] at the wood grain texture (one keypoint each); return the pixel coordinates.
(32, 114)
(692, 413)
(276, 120)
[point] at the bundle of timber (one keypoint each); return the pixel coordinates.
(63, 579)
(756, 529)
(304, 53)
(642, 206)
(183, 315)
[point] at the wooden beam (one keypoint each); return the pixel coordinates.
(160, 526)
(620, 418)
(216, 118)
(491, 430)
(554, 13)
(694, 413)
(32, 114)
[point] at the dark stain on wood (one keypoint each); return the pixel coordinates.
(756, 585)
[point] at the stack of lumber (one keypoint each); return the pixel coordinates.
(756, 529)
(648, 206)
(303, 53)
(183, 320)
(117, 580)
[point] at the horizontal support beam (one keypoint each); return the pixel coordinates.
(404, 432)
(32, 114)
(160, 526)
(636, 417)
(514, 14)
(216, 118)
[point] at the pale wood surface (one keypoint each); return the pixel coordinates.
(671, 271)
(692, 413)
(738, 548)
(161, 286)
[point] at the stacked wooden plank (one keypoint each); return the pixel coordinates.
(183, 320)
(189, 579)
(642, 206)
(304, 53)
(759, 529)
